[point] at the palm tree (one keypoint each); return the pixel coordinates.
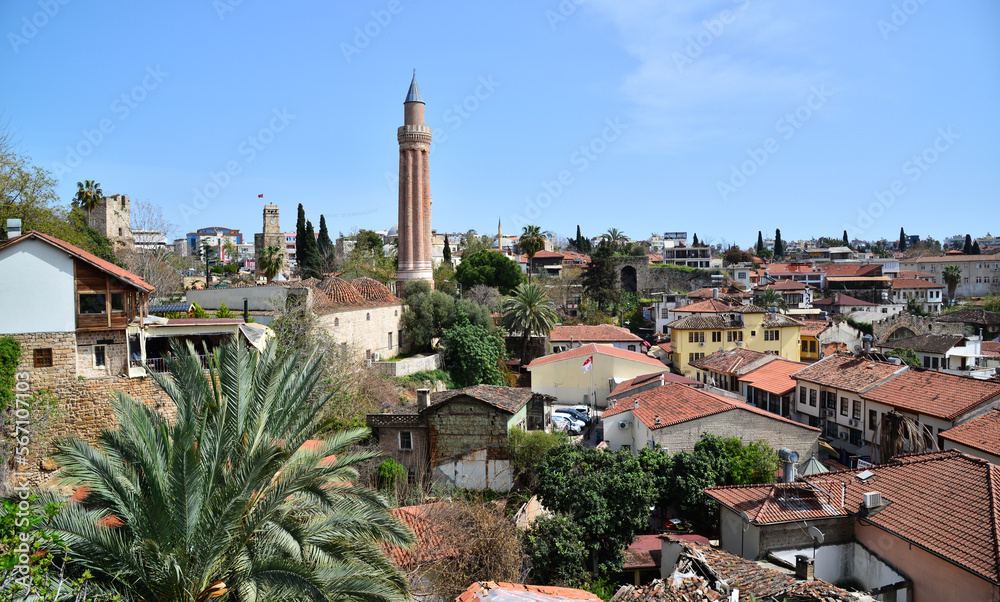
(952, 276)
(769, 297)
(528, 311)
(615, 238)
(899, 434)
(270, 261)
(531, 242)
(239, 495)
(88, 195)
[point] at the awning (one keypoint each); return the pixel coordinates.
(828, 447)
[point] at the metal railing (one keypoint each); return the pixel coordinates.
(158, 364)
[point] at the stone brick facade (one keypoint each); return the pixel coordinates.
(897, 325)
(635, 274)
(112, 218)
(115, 354)
(414, 226)
(744, 425)
(364, 331)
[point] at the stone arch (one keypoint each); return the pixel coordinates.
(899, 333)
(629, 279)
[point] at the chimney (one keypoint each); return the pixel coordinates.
(13, 228)
(715, 293)
(867, 341)
(805, 569)
(246, 310)
(636, 404)
(423, 396)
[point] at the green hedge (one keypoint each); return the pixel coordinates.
(10, 357)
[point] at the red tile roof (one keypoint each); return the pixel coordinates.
(709, 293)
(508, 399)
(945, 502)
(840, 299)
(933, 393)
(674, 403)
(711, 306)
(847, 373)
(643, 553)
(738, 360)
(602, 333)
(592, 349)
(638, 381)
(786, 284)
(105, 266)
(991, 348)
(912, 274)
(982, 433)
(491, 591)
(901, 283)
(774, 377)
(543, 254)
(813, 328)
(778, 269)
(427, 545)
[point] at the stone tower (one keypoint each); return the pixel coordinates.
(112, 218)
(414, 227)
(272, 235)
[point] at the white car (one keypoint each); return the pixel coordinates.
(583, 409)
(562, 421)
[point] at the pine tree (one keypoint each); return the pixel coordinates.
(324, 243)
(779, 246)
(967, 249)
(760, 242)
(902, 240)
(447, 250)
(694, 241)
(975, 248)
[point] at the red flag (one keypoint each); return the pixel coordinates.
(588, 364)
(260, 196)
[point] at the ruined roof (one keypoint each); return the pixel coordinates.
(955, 492)
(508, 399)
(427, 545)
(847, 373)
(491, 591)
(928, 343)
(602, 333)
(972, 315)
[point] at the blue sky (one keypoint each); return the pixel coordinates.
(717, 118)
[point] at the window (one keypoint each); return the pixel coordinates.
(690, 357)
(92, 303)
(872, 419)
(631, 347)
(43, 358)
(664, 313)
(812, 397)
(753, 333)
(812, 346)
(831, 400)
(390, 340)
(100, 356)
(771, 335)
(411, 476)
(336, 321)
(856, 414)
(857, 437)
(368, 317)
(802, 396)
(934, 363)
(843, 406)
(927, 362)
(716, 337)
(805, 346)
(734, 335)
(117, 302)
(696, 337)
(405, 440)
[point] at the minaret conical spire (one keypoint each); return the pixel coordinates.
(413, 95)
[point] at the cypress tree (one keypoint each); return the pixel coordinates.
(324, 243)
(301, 251)
(779, 246)
(847, 242)
(967, 249)
(579, 239)
(902, 240)
(447, 250)
(760, 242)
(311, 267)
(975, 248)
(694, 241)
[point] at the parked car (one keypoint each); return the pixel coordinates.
(583, 409)
(573, 414)
(573, 427)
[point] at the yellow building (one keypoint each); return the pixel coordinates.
(747, 326)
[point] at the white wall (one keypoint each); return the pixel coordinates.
(636, 436)
(837, 563)
(38, 289)
(475, 471)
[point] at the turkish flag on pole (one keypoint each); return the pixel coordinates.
(260, 196)
(587, 365)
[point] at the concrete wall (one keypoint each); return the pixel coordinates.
(851, 563)
(39, 292)
(566, 380)
(260, 298)
(934, 578)
(411, 365)
(364, 331)
(475, 470)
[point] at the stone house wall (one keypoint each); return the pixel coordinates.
(364, 331)
(745, 425)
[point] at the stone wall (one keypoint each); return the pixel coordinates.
(658, 278)
(365, 331)
(115, 354)
(743, 424)
(411, 365)
(883, 329)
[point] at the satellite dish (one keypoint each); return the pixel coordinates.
(745, 517)
(817, 535)
(858, 349)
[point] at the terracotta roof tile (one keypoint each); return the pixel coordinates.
(508, 399)
(912, 274)
(774, 377)
(97, 262)
(373, 291)
(903, 283)
(675, 403)
(738, 361)
(592, 349)
(813, 328)
(427, 545)
(933, 393)
(937, 488)
(847, 372)
(711, 306)
(927, 343)
(643, 553)
(982, 433)
(638, 381)
(972, 315)
(602, 333)
(840, 299)
(491, 591)
(991, 348)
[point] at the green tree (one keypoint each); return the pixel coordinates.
(847, 241)
(914, 307)
(302, 248)
(600, 279)
(606, 493)
(952, 276)
(239, 494)
(907, 355)
(527, 312)
(692, 473)
(198, 312)
(270, 261)
(779, 245)
(10, 357)
(311, 269)
(749, 463)
(527, 448)
(734, 254)
(473, 353)
(615, 239)
(490, 268)
(446, 254)
(428, 313)
(902, 240)
(760, 243)
(659, 466)
(531, 242)
(967, 249)
(472, 244)
(224, 312)
(324, 242)
(88, 196)
(975, 248)
(556, 546)
(769, 297)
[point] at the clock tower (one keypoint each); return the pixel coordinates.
(272, 235)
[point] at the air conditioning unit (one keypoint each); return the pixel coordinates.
(843, 436)
(624, 424)
(376, 357)
(873, 499)
(831, 413)
(367, 363)
(853, 422)
(701, 344)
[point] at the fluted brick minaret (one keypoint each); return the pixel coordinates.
(414, 192)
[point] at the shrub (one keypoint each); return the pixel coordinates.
(10, 357)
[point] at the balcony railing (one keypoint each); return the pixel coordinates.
(158, 364)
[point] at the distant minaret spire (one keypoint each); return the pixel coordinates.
(415, 262)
